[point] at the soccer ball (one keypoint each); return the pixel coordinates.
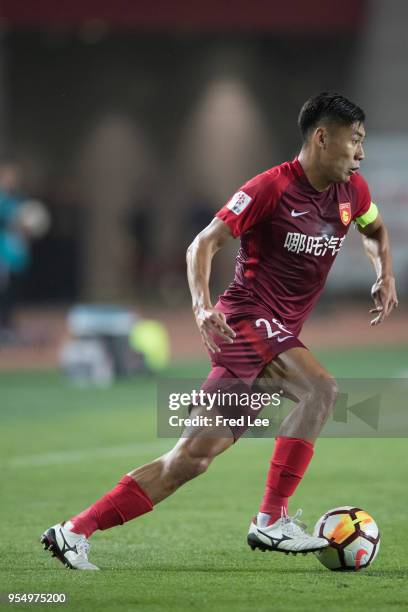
(354, 539)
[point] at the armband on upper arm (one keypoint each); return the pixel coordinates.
(368, 217)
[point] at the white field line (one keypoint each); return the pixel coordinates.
(103, 452)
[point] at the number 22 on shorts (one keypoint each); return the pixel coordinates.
(272, 334)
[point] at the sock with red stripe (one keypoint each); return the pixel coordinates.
(290, 460)
(125, 502)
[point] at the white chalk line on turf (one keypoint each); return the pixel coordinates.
(74, 456)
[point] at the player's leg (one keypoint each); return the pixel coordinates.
(137, 492)
(303, 379)
(190, 457)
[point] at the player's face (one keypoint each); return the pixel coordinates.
(343, 152)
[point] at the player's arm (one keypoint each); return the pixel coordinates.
(377, 246)
(199, 257)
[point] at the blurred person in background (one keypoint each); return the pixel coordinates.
(21, 220)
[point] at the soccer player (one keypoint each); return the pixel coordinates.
(292, 221)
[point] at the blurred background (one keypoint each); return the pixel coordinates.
(124, 125)
(133, 122)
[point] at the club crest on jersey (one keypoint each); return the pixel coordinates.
(345, 212)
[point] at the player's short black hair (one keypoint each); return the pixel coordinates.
(328, 106)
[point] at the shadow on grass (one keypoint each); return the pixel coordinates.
(390, 573)
(221, 570)
(307, 572)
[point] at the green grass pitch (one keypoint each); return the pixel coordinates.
(61, 448)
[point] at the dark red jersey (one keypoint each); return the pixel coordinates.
(290, 236)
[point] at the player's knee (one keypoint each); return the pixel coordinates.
(326, 392)
(321, 397)
(199, 465)
(185, 462)
(331, 392)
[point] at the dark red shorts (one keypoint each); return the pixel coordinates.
(259, 339)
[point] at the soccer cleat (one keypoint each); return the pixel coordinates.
(286, 535)
(70, 548)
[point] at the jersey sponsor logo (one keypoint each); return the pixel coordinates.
(239, 202)
(294, 213)
(295, 242)
(345, 212)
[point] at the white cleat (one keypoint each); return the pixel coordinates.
(70, 548)
(286, 535)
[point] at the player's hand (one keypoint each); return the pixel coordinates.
(212, 322)
(385, 299)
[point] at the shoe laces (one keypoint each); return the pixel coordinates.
(291, 525)
(83, 547)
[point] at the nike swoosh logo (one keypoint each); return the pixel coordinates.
(282, 339)
(298, 214)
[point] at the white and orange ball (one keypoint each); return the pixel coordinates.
(354, 538)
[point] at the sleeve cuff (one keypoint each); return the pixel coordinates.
(223, 215)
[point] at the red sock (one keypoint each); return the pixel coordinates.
(124, 503)
(290, 460)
